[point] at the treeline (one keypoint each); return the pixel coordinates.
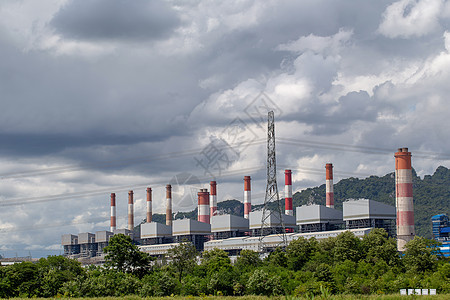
(341, 265)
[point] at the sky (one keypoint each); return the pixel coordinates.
(106, 96)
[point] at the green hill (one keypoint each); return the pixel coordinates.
(431, 197)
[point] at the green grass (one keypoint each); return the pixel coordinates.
(335, 297)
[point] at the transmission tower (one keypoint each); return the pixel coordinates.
(272, 221)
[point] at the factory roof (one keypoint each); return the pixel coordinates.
(103, 236)
(86, 238)
(222, 223)
(439, 217)
(273, 240)
(273, 220)
(190, 227)
(367, 209)
(313, 214)
(123, 231)
(69, 239)
(154, 230)
(157, 249)
(445, 230)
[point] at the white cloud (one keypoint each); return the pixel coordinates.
(447, 40)
(408, 18)
(319, 44)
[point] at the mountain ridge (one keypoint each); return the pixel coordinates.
(431, 196)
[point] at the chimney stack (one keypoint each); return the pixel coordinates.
(168, 205)
(404, 198)
(113, 212)
(288, 210)
(203, 206)
(247, 196)
(213, 198)
(329, 186)
(130, 211)
(149, 205)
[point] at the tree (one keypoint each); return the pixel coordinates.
(299, 251)
(377, 247)
(216, 260)
(124, 256)
(219, 271)
(182, 258)
(261, 283)
(347, 247)
(247, 260)
(277, 258)
(54, 271)
(421, 255)
(22, 279)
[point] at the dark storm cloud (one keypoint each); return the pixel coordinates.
(42, 144)
(92, 93)
(355, 106)
(117, 19)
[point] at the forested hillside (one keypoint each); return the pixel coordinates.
(431, 196)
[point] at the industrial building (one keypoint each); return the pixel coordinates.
(364, 213)
(316, 218)
(235, 233)
(441, 232)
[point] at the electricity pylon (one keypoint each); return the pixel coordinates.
(272, 221)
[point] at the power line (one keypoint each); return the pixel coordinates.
(123, 188)
(357, 149)
(66, 196)
(178, 154)
(115, 163)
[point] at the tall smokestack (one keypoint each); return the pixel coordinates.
(149, 205)
(203, 206)
(404, 198)
(329, 185)
(113, 212)
(213, 197)
(288, 193)
(168, 205)
(130, 211)
(247, 196)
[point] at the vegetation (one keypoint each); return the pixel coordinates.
(252, 297)
(124, 256)
(344, 265)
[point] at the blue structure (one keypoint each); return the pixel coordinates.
(441, 232)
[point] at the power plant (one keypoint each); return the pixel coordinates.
(233, 233)
(260, 230)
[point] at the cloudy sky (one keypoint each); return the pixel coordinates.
(104, 96)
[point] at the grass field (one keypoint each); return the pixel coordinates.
(336, 297)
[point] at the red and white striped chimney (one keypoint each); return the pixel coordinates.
(149, 205)
(247, 196)
(113, 212)
(329, 186)
(168, 205)
(130, 211)
(288, 210)
(203, 206)
(213, 197)
(404, 198)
